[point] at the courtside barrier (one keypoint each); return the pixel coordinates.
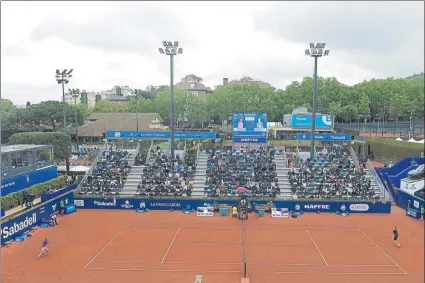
(180, 204)
(31, 218)
(47, 197)
(403, 198)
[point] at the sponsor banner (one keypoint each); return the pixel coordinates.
(249, 140)
(79, 202)
(47, 197)
(306, 121)
(324, 137)
(70, 208)
(180, 204)
(17, 183)
(14, 227)
(249, 125)
(159, 135)
(402, 199)
(413, 213)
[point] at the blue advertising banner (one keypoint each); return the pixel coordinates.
(159, 135)
(15, 227)
(24, 181)
(47, 197)
(324, 137)
(305, 121)
(249, 140)
(180, 204)
(403, 200)
(250, 125)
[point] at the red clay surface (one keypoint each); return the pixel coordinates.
(106, 246)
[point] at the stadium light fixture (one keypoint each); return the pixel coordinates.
(62, 78)
(316, 50)
(171, 50)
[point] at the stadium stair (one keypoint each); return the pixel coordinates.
(133, 179)
(200, 175)
(282, 176)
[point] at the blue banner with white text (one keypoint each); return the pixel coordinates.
(180, 204)
(14, 227)
(249, 140)
(17, 183)
(159, 135)
(306, 121)
(324, 137)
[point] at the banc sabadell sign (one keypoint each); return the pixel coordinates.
(180, 204)
(16, 226)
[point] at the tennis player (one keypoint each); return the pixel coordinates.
(44, 249)
(395, 232)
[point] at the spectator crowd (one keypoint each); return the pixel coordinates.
(331, 175)
(166, 177)
(108, 174)
(229, 170)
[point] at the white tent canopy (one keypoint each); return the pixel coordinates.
(75, 168)
(411, 140)
(422, 141)
(399, 139)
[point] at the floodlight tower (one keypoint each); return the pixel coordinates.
(315, 51)
(75, 94)
(171, 50)
(63, 78)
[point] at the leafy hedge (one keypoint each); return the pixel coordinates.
(15, 199)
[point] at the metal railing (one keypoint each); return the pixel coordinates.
(380, 185)
(354, 156)
(90, 171)
(148, 155)
(137, 150)
(197, 153)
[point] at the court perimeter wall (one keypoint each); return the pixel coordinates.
(25, 221)
(180, 204)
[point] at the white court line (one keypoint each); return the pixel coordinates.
(164, 270)
(116, 236)
(246, 244)
(381, 250)
(237, 228)
(169, 247)
(326, 273)
(317, 247)
(248, 263)
(171, 262)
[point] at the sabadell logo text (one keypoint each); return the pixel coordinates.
(7, 231)
(104, 203)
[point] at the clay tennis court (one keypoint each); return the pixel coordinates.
(105, 246)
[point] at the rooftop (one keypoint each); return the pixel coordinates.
(22, 147)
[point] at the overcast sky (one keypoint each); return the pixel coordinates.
(110, 43)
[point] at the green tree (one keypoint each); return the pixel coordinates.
(195, 108)
(6, 106)
(162, 104)
(104, 106)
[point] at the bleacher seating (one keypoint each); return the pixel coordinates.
(108, 174)
(331, 176)
(254, 170)
(167, 178)
(141, 156)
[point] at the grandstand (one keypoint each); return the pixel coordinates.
(219, 171)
